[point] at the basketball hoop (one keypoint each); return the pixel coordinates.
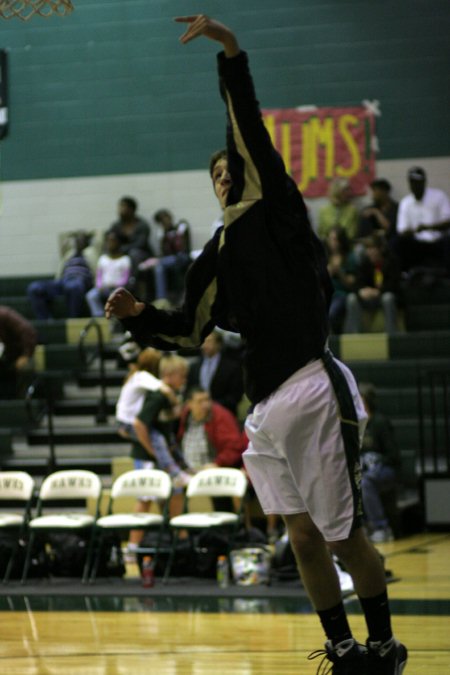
(25, 9)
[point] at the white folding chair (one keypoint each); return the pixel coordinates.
(214, 482)
(139, 483)
(16, 487)
(64, 486)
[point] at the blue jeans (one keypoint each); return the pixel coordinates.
(164, 459)
(355, 306)
(177, 262)
(96, 299)
(375, 480)
(42, 293)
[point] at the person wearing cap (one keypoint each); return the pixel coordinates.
(423, 224)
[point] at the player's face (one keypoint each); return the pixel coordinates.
(221, 181)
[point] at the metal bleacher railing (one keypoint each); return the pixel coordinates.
(90, 357)
(433, 389)
(42, 388)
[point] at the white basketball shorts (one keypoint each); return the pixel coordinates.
(303, 454)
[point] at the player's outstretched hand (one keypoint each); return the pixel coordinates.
(122, 304)
(200, 24)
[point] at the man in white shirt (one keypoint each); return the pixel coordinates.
(423, 224)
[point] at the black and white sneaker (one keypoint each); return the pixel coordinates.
(388, 658)
(345, 658)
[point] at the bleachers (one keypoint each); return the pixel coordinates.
(391, 363)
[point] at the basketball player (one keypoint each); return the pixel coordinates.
(263, 274)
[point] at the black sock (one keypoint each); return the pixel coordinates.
(335, 624)
(378, 617)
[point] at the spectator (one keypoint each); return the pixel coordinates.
(339, 210)
(381, 216)
(113, 270)
(380, 461)
(423, 225)
(18, 340)
(133, 232)
(152, 430)
(175, 255)
(342, 266)
(74, 282)
(209, 434)
(218, 373)
(143, 367)
(377, 284)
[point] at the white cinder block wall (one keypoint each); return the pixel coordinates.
(33, 213)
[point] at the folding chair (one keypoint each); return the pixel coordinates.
(16, 487)
(150, 483)
(65, 486)
(215, 482)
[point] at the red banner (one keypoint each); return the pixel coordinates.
(320, 144)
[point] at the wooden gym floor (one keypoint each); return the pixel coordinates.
(136, 635)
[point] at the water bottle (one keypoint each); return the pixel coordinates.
(148, 572)
(223, 572)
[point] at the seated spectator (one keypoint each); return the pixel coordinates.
(208, 433)
(74, 282)
(218, 373)
(380, 462)
(339, 210)
(175, 255)
(152, 429)
(18, 340)
(91, 252)
(381, 216)
(209, 436)
(377, 286)
(133, 232)
(113, 270)
(342, 266)
(423, 225)
(142, 377)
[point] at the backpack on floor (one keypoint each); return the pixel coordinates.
(39, 565)
(68, 552)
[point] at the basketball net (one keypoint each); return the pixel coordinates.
(25, 9)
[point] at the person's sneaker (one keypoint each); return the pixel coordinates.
(346, 658)
(381, 536)
(388, 658)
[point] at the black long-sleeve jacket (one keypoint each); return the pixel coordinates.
(263, 274)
